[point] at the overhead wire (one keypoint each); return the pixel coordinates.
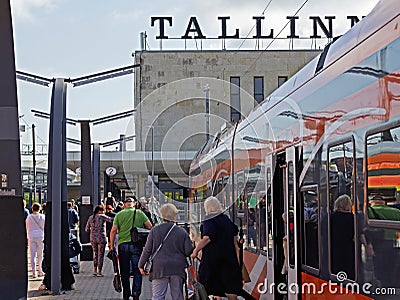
(30, 127)
(283, 28)
(252, 28)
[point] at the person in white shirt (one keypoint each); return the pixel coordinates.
(35, 231)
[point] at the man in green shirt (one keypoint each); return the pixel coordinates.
(382, 240)
(129, 253)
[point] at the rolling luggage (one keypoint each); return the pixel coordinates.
(112, 254)
(75, 248)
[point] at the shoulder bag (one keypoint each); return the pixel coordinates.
(149, 262)
(36, 221)
(138, 235)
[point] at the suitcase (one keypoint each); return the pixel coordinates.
(112, 254)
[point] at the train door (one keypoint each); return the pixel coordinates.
(292, 210)
(269, 169)
(275, 178)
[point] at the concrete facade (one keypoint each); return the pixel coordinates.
(170, 99)
(169, 87)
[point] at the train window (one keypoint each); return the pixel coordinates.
(251, 219)
(383, 165)
(255, 208)
(340, 171)
(310, 228)
(291, 214)
(269, 213)
(240, 191)
(341, 229)
(262, 209)
(380, 244)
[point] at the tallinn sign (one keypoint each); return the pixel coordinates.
(193, 29)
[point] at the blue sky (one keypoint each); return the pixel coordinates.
(72, 38)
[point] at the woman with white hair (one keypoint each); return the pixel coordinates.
(219, 269)
(342, 237)
(169, 259)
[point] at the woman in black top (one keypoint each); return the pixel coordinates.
(342, 237)
(219, 269)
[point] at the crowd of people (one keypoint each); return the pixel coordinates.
(169, 246)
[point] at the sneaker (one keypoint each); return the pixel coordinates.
(100, 275)
(40, 274)
(34, 275)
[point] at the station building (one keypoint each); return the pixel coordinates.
(170, 94)
(170, 122)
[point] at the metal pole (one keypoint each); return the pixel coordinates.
(34, 161)
(207, 98)
(86, 208)
(152, 163)
(57, 182)
(13, 259)
(96, 174)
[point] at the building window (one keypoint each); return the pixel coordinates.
(235, 99)
(258, 89)
(282, 80)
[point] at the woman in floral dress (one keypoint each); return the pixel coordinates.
(96, 224)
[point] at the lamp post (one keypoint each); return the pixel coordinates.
(152, 163)
(207, 98)
(34, 161)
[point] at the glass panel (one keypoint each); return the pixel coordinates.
(341, 173)
(310, 237)
(262, 208)
(269, 213)
(381, 246)
(383, 164)
(291, 214)
(251, 206)
(256, 208)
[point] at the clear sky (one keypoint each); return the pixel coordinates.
(72, 38)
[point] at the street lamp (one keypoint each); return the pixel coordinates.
(207, 98)
(152, 163)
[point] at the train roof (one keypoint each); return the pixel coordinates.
(380, 15)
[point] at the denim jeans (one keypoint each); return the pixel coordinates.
(130, 253)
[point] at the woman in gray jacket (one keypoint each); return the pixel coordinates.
(170, 261)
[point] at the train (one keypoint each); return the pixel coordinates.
(332, 129)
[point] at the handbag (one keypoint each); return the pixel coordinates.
(149, 262)
(199, 292)
(148, 265)
(138, 235)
